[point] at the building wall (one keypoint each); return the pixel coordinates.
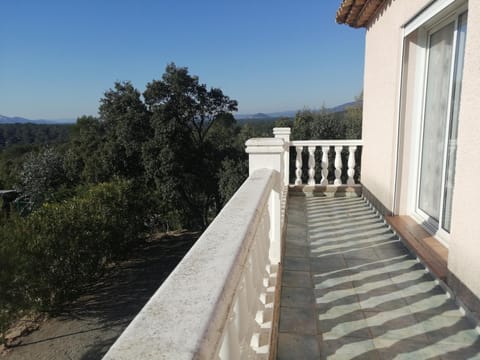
(464, 251)
(381, 112)
(383, 53)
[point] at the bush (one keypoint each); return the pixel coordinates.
(53, 253)
(13, 277)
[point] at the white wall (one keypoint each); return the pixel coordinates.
(381, 107)
(381, 96)
(464, 252)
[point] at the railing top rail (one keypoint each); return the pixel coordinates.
(184, 319)
(326, 143)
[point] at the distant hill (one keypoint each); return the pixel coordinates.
(342, 107)
(291, 113)
(263, 116)
(20, 120)
(258, 116)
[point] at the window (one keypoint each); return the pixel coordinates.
(442, 40)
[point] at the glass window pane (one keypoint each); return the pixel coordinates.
(452, 138)
(435, 120)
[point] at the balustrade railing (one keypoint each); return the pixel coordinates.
(219, 302)
(326, 148)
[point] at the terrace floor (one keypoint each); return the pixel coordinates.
(351, 290)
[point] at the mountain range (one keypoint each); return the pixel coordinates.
(289, 113)
(264, 116)
(20, 120)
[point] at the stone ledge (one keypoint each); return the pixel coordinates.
(433, 253)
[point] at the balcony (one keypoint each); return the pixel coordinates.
(300, 268)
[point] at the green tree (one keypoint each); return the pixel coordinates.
(181, 158)
(181, 96)
(302, 125)
(284, 122)
(126, 122)
(353, 117)
(42, 175)
(11, 160)
(85, 158)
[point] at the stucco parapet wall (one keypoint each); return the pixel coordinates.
(357, 13)
(185, 318)
(265, 146)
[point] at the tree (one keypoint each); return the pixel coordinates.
(85, 158)
(284, 122)
(353, 118)
(302, 125)
(42, 175)
(181, 96)
(11, 160)
(126, 121)
(181, 158)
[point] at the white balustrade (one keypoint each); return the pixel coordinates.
(325, 151)
(326, 146)
(351, 165)
(311, 165)
(284, 133)
(298, 165)
(338, 165)
(218, 303)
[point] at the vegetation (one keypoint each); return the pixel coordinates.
(28, 134)
(166, 158)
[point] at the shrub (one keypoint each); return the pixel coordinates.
(61, 247)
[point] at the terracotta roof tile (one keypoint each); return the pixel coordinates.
(357, 13)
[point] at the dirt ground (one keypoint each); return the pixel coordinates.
(88, 327)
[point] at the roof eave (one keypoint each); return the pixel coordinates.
(357, 13)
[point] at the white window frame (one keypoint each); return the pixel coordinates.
(434, 17)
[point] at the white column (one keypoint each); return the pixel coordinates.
(351, 164)
(267, 153)
(284, 133)
(311, 165)
(325, 151)
(338, 165)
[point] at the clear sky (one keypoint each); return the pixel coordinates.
(57, 57)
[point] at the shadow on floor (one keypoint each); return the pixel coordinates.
(355, 292)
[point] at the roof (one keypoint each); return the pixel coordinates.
(357, 13)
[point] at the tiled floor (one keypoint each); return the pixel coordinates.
(352, 291)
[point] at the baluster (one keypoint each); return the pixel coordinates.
(338, 165)
(351, 164)
(241, 308)
(230, 348)
(311, 165)
(251, 298)
(250, 285)
(325, 150)
(264, 241)
(257, 273)
(261, 256)
(298, 165)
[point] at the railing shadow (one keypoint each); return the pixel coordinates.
(373, 299)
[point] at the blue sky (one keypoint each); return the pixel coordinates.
(57, 58)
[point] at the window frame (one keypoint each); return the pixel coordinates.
(431, 19)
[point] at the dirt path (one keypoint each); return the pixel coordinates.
(88, 327)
